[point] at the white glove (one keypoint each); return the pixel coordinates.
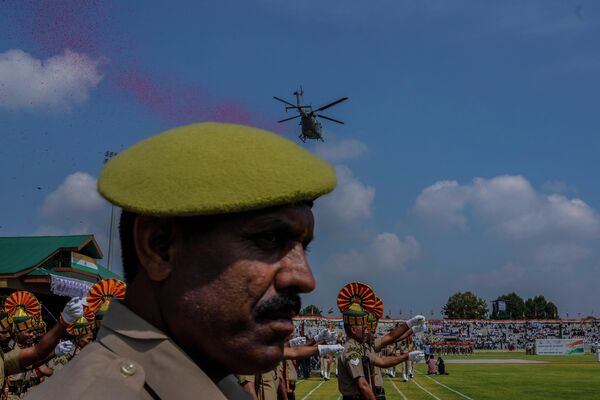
(73, 310)
(321, 336)
(416, 356)
(419, 328)
(297, 341)
(330, 336)
(63, 347)
(334, 349)
(416, 320)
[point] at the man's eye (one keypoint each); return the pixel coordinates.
(269, 239)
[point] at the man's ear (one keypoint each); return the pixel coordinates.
(154, 243)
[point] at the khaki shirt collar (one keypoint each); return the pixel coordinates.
(170, 373)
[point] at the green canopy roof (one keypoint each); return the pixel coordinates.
(21, 253)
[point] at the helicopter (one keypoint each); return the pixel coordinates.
(311, 127)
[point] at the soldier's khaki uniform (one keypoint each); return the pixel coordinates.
(133, 360)
(290, 376)
(351, 366)
(406, 346)
(19, 384)
(378, 377)
(265, 385)
(9, 365)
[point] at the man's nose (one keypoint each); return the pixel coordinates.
(295, 273)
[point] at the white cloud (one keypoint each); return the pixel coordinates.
(77, 194)
(560, 254)
(386, 252)
(350, 202)
(545, 232)
(442, 204)
(391, 252)
(58, 83)
(510, 206)
(76, 208)
(348, 149)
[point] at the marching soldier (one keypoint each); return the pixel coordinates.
(265, 386)
(356, 301)
(24, 313)
(377, 344)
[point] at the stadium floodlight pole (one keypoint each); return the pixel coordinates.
(107, 156)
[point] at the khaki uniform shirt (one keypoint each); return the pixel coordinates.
(8, 366)
(10, 363)
(289, 375)
(133, 360)
(292, 375)
(350, 367)
(376, 350)
(267, 384)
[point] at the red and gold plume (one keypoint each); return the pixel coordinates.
(23, 304)
(356, 294)
(103, 292)
(378, 308)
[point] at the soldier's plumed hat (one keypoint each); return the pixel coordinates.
(213, 168)
(84, 324)
(101, 294)
(356, 301)
(376, 313)
(25, 310)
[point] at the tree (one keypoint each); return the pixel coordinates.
(310, 311)
(465, 306)
(539, 307)
(551, 310)
(515, 307)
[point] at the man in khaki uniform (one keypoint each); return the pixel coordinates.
(290, 376)
(215, 222)
(357, 301)
(376, 344)
(19, 359)
(265, 386)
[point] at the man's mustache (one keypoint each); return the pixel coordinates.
(281, 305)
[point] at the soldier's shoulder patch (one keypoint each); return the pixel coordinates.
(354, 353)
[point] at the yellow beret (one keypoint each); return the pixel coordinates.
(213, 168)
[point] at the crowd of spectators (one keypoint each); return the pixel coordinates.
(513, 335)
(478, 334)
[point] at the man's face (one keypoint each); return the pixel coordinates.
(233, 290)
(359, 333)
(4, 336)
(26, 337)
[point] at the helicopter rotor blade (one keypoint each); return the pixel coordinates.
(284, 101)
(331, 104)
(330, 119)
(287, 119)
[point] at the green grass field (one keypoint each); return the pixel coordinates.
(568, 377)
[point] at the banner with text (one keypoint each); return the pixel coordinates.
(558, 347)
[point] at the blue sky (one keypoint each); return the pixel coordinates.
(467, 159)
